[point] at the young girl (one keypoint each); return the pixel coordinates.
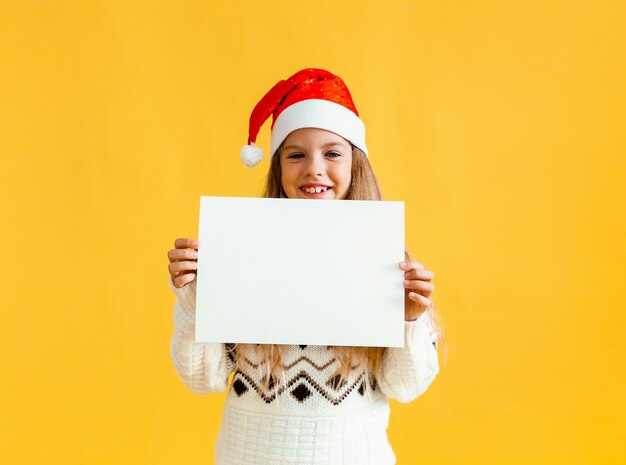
(307, 404)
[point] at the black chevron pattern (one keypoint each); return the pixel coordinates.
(294, 363)
(300, 386)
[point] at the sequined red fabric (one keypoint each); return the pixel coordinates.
(309, 83)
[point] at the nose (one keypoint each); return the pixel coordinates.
(315, 165)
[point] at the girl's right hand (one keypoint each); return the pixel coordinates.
(183, 261)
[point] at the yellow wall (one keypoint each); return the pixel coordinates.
(500, 123)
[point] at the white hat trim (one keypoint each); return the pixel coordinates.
(321, 114)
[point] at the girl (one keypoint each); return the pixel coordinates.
(307, 404)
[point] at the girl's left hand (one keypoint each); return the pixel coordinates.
(418, 289)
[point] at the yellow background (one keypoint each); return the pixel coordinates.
(500, 123)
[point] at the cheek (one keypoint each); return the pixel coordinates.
(343, 180)
(284, 176)
(346, 174)
(287, 180)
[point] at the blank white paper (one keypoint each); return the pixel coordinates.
(290, 271)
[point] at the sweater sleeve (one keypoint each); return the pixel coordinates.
(204, 367)
(406, 372)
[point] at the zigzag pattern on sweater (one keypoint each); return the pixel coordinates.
(295, 362)
(306, 377)
(301, 392)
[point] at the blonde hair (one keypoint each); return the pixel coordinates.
(363, 186)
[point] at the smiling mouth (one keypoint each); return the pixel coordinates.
(315, 190)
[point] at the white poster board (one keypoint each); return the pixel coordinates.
(290, 271)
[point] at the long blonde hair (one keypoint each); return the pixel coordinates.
(363, 186)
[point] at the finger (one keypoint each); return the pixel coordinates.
(422, 301)
(411, 265)
(176, 274)
(183, 266)
(186, 243)
(183, 279)
(424, 275)
(424, 287)
(182, 254)
(178, 267)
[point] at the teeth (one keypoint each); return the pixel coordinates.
(315, 190)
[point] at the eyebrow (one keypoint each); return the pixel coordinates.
(330, 144)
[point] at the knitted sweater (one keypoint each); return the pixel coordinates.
(309, 417)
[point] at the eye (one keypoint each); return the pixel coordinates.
(333, 154)
(295, 155)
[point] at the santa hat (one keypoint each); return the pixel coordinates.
(311, 98)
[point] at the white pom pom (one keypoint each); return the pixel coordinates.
(251, 155)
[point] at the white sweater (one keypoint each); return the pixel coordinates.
(308, 417)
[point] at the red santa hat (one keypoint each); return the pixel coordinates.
(311, 98)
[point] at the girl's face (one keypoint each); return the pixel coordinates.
(316, 164)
